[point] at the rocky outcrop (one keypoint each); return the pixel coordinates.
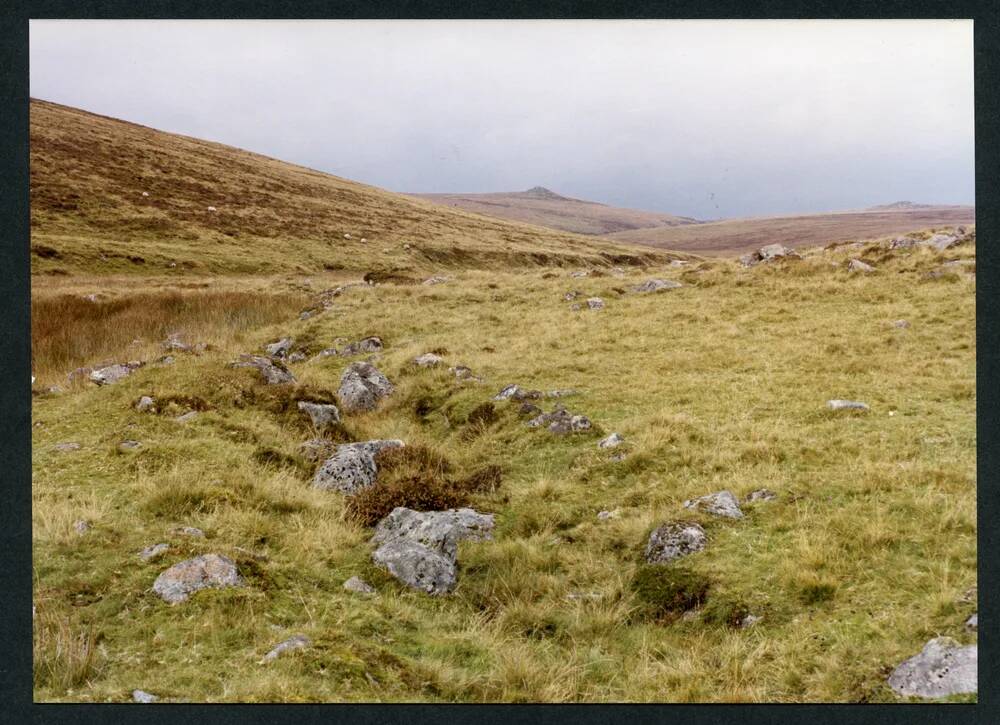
(722, 503)
(273, 372)
(656, 285)
(846, 405)
(560, 421)
(767, 254)
(942, 668)
(674, 540)
(113, 373)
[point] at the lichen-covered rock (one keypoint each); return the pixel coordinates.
(674, 540)
(322, 415)
(359, 586)
(595, 303)
(417, 566)
(571, 295)
(768, 253)
(352, 467)
(846, 405)
(428, 360)
(144, 697)
(273, 372)
(856, 265)
(560, 421)
(722, 503)
(150, 553)
(942, 668)
(182, 580)
(362, 386)
(129, 445)
(436, 279)
(972, 622)
(439, 530)
(187, 417)
(516, 392)
(900, 324)
(655, 285)
(292, 643)
(113, 373)
(67, 446)
(188, 531)
(612, 441)
(367, 344)
(762, 494)
(146, 404)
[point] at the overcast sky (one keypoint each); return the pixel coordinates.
(703, 118)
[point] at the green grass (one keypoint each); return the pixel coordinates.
(721, 384)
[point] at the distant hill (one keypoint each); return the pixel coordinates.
(546, 208)
(737, 236)
(113, 196)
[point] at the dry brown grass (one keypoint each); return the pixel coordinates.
(65, 655)
(70, 331)
(736, 236)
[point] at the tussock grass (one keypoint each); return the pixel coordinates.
(721, 384)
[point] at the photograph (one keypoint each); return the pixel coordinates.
(502, 361)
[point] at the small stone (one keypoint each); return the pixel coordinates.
(67, 446)
(529, 409)
(189, 531)
(141, 695)
(272, 371)
(612, 441)
(317, 449)
(901, 324)
(595, 303)
(561, 393)
(151, 553)
(428, 360)
(749, 621)
(112, 373)
(618, 457)
(367, 344)
(856, 265)
(583, 596)
(942, 668)
(762, 494)
(359, 586)
(723, 504)
(212, 208)
(516, 392)
(81, 527)
(580, 273)
(571, 295)
(292, 643)
(129, 445)
(146, 404)
(575, 307)
(656, 285)
(322, 415)
(846, 405)
(972, 622)
(181, 580)
(187, 417)
(674, 540)
(605, 515)
(436, 279)
(296, 357)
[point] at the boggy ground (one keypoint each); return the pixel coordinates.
(864, 555)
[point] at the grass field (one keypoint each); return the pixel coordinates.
(721, 384)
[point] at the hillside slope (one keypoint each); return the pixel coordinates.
(548, 209)
(108, 196)
(736, 236)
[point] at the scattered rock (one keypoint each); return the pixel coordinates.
(436, 279)
(575, 307)
(595, 303)
(173, 343)
(583, 596)
(129, 445)
(901, 243)
(188, 531)
(941, 242)
(67, 446)
(768, 253)
(562, 393)
(81, 527)
(580, 273)
(359, 586)
(722, 503)
(617, 457)
(971, 595)
(749, 621)
(428, 360)
(113, 373)
(306, 314)
(572, 295)
(292, 643)
(516, 392)
(322, 415)
(273, 372)
(362, 386)
(367, 344)
(187, 417)
(612, 441)
(352, 467)
(296, 357)
(761, 494)
(166, 360)
(856, 265)
(280, 348)
(674, 540)
(212, 208)
(151, 553)
(78, 373)
(560, 421)
(655, 285)
(942, 668)
(846, 405)
(181, 580)
(901, 324)
(972, 622)
(606, 515)
(420, 548)
(146, 404)
(529, 409)
(141, 695)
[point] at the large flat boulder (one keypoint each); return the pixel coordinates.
(942, 668)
